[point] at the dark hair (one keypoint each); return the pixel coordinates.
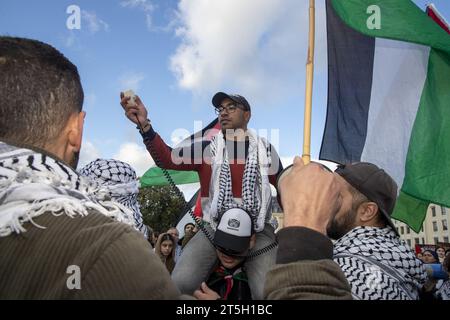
(189, 224)
(446, 263)
(40, 90)
(433, 253)
(166, 236)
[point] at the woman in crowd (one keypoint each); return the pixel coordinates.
(165, 249)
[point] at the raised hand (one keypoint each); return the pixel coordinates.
(310, 196)
(136, 113)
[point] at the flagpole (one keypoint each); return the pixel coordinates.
(306, 156)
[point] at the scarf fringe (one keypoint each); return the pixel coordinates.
(33, 184)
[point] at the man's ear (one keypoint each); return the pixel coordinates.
(247, 116)
(368, 212)
(74, 134)
(252, 241)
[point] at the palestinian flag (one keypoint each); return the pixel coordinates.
(155, 176)
(389, 98)
(434, 14)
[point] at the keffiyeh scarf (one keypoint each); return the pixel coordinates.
(117, 180)
(33, 184)
(378, 265)
(443, 292)
(256, 193)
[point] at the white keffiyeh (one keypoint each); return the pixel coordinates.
(443, 291)
(118, 180)
(256, 193)
(379, 265)
(32, 184)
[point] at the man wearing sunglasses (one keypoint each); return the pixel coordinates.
(235, 169)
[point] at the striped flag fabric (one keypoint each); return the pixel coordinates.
(155, 175)
(389, 98)
(434, 14)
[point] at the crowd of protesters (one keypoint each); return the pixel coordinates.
(68, 234)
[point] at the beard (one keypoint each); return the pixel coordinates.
(74, 161)
(339, 227)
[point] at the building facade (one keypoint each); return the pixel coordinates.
(434, 229)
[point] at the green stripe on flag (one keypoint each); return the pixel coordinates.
(410, 211)
(155, 177)
(427, 168)
(399, 20)
(427, 165)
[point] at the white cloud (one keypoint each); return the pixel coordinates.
(94, 23)
(136, 156)
(258, 46)
(144, 5)
(70, 40)
(89, 152)
(131, 80)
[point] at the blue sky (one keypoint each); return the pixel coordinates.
(176, 55)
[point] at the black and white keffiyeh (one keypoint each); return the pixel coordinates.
(379, 265)
(32, 184)
(256, 193)
(443, 291)
(117, 180)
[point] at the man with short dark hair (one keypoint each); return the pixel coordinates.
(58, 238)
(376, 262)
(235, 169)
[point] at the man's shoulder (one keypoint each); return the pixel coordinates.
(53, 243)
(73, 234)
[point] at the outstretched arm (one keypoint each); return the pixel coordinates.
(164, 155)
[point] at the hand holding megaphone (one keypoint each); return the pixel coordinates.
(134, 109)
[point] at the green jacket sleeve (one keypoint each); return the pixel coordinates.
(127, 269)
(305, 269)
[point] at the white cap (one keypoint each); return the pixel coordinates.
(234, 231)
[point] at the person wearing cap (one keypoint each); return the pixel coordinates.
(304, 267)
(377, 263)
(232, 239)
(235, 169)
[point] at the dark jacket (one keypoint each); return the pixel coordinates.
(305, 269)
(230, 284)
(113, 261)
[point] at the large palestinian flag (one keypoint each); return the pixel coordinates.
(389, 98)
(157, 177)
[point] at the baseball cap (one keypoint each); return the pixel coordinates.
(374, 183)
(234, 232)
(220, 96)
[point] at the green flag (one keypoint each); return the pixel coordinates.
(395, 109)
(155, 177)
